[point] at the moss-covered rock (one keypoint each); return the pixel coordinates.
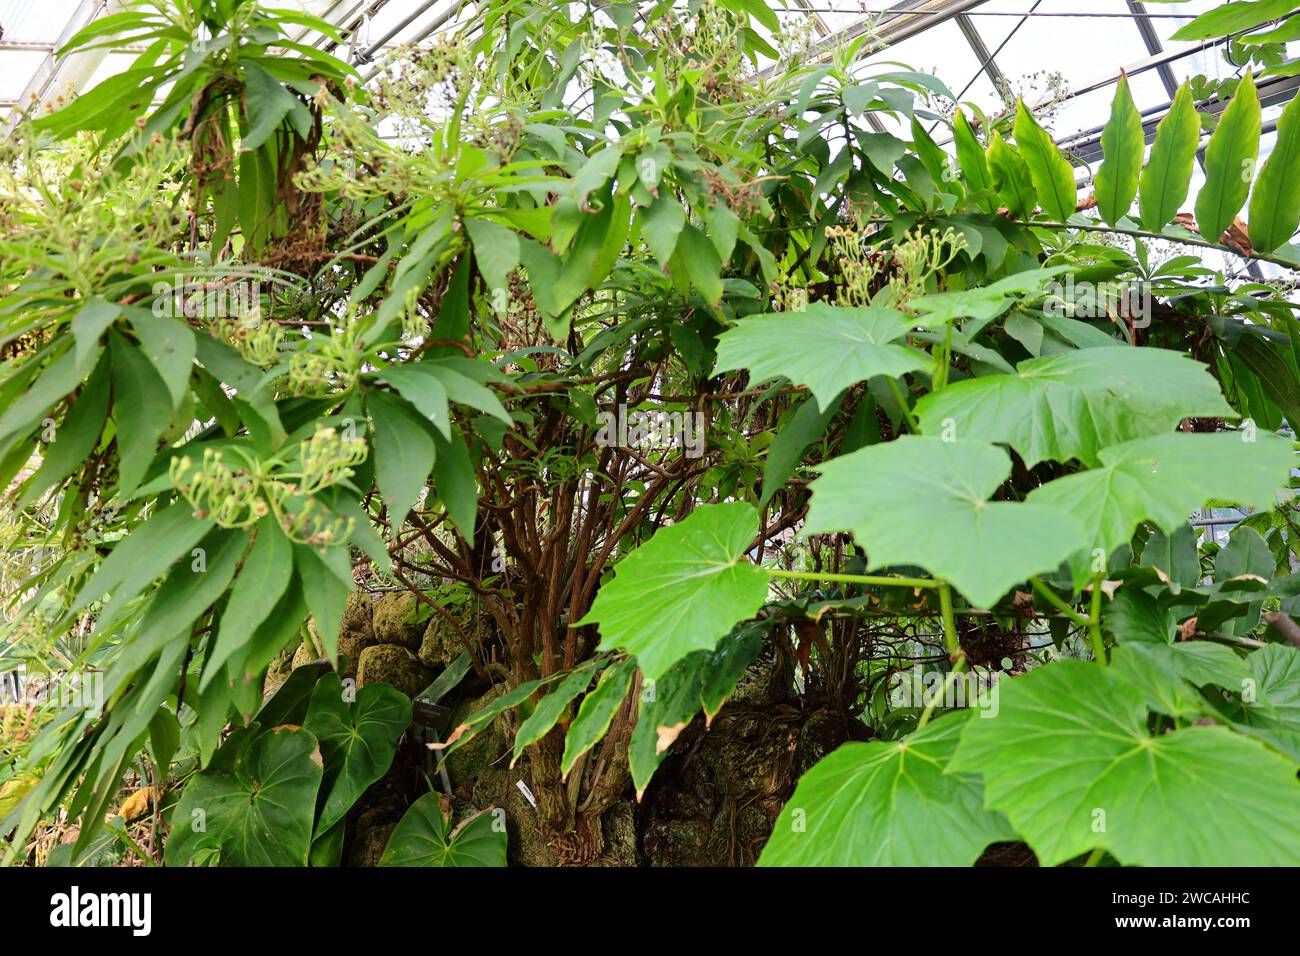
(357, 631)
(618, 832)
(390, 664)
(526, 845)
(441, 644)
(716, 797)
(305, 654)
(767, 680)
(276, 675)
(469, 761)
(369, 843)
(393, 618)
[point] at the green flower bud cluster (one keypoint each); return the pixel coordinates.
(327, 458)
(331, 363)
(241, 496)
(231, 497)
(257, 341)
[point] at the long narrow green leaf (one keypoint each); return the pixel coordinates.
(1011, 178)
(1048, 168)
(1230, 162)
(1227, 18)
(1275, 205)
(1122, 147)
(970, 157)
(1163, 184)
(596, 712)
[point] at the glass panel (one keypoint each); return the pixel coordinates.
(1050, 45)
(943, 51)
(18, 66)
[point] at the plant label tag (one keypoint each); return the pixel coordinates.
(528, 794)
(427, 714)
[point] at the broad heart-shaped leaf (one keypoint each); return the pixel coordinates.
(1071, 763)
(1229, 162)
(256, 805)
(1073, 404)
(683, 589)
(424, 837)
(1122, 146)
(888, 803)
(825, 347)
(357, 740)
(1275, 203)
(923, 501)
(1165, 477)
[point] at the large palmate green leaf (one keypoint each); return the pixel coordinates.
(357, 740)
(683, 589)
(825, 347)
(425, 837)
(1230, 162)
(1269, 709)
(1164, 478)
(1163, 183)
(255, 805)
(1275, 203)
(1073, 404)
(924, 501)
(1122, 147)
(888, 803)
(1070, 761)
(1048, 168)
(983, 303)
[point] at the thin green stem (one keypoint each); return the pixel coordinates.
(876, 579)
(1095, 856)
(1094, 623)
(941, 696)
(1048, 595)
(950, 638)
(955, 654)
(912, 424)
